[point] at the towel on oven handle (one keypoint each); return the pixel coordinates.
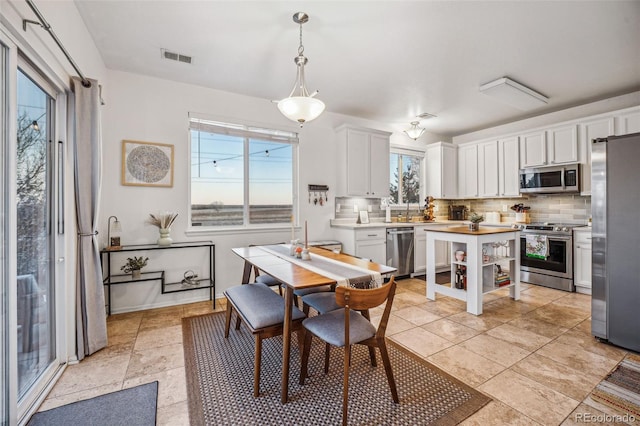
(537, 246)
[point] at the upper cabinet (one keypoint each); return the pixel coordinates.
(508, 169)
(468, 171)
(363, 162)
(441, 170)
(557, 145)
(488, 169)
(590, 130)
(628, 122)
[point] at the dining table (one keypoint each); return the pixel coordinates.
(325, 267)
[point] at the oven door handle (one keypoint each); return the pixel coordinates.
(550, 237)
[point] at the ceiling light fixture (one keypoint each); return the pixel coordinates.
(415, 131)
(300, 106)
(513, 93)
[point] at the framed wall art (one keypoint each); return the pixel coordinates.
(147, 164)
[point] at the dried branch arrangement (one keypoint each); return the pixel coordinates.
(162, 220)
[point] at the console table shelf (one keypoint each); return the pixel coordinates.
(110, 278)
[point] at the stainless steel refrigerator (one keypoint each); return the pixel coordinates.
(615, 208)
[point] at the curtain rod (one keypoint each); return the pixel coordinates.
(44, 24)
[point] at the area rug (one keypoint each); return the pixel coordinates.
(127, 407)
(621, 388)
(220, 384)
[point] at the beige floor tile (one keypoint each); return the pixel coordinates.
(123, 326)
(496, 350)
(477, 322)
(541, 403)
(173, 415)
(91, 373)
(157, 337)
(537, 326)
(421, 341)
(441, 308)
(534, 299)
(172, 385)
(126, 315)
(416, 315)
(404, 300)
(152, 322)
(545, 292)
(500, 313)
(467, 366)
(492, 297)
(497, 413)
(451, 330)
(578, 301)
(562, 378)
(396, 324)
(54, 402)
(559, 315)
(201, 308)
(520, 337)
(150, 361)
(589, 343)
(586, 414)
(120, 344)
(578, 358)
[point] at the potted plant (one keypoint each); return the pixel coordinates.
(475, 219)
(134, 265)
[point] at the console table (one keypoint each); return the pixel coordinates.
(110, 278)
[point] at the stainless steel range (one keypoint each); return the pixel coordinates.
(555, 267)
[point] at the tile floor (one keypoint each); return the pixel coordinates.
(535, 357)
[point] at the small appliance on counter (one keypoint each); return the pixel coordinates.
(457, 213)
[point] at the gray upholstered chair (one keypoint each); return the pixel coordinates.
(346, 327)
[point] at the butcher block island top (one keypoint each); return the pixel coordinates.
(465, 230)
(482, 261)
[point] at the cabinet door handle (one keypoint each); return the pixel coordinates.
(577, 246)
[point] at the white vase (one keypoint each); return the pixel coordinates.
(135, 274)
(165, 239)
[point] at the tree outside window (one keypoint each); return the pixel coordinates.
(405, 173)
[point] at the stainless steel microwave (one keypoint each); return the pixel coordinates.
(550, 180)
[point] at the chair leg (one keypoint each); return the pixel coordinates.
(327, 355)
(305, 309)
(387, 368)
(306, 349)
(238, 321)
(227, 320)
(256, 366)
(345, 384)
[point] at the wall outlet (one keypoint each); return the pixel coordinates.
(505, 208)
(337, 208)
(369, 209)
(435, 208)
(355, 208)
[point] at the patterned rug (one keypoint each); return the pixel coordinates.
(220, 384)
(621, 388)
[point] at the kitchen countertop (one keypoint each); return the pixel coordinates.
(350, 224)
(482, 231)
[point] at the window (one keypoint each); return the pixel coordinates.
(241, 176)
(406, 171)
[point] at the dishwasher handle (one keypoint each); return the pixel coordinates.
(395, 232)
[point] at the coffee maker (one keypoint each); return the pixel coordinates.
(457, 213)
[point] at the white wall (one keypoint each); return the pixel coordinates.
(149, 109)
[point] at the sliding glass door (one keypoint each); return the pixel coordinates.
(4, 305)
(35, 280)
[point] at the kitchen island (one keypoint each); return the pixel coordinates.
(482, 261)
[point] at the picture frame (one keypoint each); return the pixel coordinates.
(147, 164)
(364, 216)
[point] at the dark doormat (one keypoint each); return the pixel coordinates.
(220, 384)
(128, 407)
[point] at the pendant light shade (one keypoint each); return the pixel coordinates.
(415, 131)
(300, 106)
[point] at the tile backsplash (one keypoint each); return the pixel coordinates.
(544, 208)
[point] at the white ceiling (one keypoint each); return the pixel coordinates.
(384, 60)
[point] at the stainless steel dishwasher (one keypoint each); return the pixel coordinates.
(400, 250)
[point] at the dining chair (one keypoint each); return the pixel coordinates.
(346, 327)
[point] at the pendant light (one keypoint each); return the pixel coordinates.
(300, 106)
(415, 131)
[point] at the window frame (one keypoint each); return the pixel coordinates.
(246, 227)
(401, 150)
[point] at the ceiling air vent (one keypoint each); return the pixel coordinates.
(175, 56)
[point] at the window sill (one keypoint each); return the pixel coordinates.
(198, 231)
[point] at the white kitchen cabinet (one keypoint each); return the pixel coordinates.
(468, 171)
(533, 149)
(582, 260)
(443, 256)
(562, 145)
(590, 130)
(363, 162)
(628, 122)
(371, 244)
(441, 173)
(508, 168)
(488, 169)
(556, 145)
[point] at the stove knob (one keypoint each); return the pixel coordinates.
(565, 229)
(557, 228)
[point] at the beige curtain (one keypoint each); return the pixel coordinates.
(91, 323)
